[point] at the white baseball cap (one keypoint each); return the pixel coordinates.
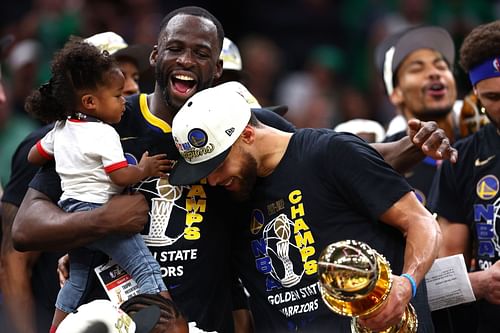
(116, 46)
(103, 316)
(204, 130)
(230, 56)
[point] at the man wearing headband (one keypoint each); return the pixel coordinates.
(466, 195)
(305, 189)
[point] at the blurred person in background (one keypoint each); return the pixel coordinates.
(31, 277)
(15, 125)
(133, 60)
(5, 43)
(232, 65)
(263, 61)
(312, 92)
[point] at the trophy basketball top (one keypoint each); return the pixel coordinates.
(354, 279)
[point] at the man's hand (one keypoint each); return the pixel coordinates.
(125, 214)
(63, 269)
(431, 140)
(486, 284)
(393, 309)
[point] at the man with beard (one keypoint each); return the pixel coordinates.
(304, 190)
(466, 195)
(183, 226)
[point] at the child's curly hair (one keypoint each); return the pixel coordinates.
(76, 67)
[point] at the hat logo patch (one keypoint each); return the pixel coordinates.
(197, 137)
(230, 131)
(496, 65)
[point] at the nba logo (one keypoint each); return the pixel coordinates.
(496, 65)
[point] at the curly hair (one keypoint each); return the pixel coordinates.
(482, 43)
(169, 312)
(76, 67)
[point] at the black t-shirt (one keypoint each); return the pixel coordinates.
(44, 280)
(328, 187)
(186, 232)
(468, 192)
(421, 175)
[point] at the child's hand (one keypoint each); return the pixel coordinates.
(155, 165)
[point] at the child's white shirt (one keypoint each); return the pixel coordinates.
(84, 152)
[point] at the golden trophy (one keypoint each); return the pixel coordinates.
(355, 280)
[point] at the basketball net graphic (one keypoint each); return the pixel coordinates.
(161, 210)
(277, 233)
(496, 219)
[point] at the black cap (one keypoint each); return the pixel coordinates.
(391, 52)
(280, 109)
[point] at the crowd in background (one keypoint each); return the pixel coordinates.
(316, 56)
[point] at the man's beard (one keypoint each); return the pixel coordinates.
(167, 98)
(434, 114)
(247, 178)
(493, 121)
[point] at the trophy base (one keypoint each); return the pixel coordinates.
(408, 324)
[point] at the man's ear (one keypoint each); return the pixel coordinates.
(248, 134)
(396, 97)
(153, 56)
(218, 69)
(89, 102)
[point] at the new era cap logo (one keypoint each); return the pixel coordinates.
(230, 131)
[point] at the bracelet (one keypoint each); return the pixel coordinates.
(412, 282)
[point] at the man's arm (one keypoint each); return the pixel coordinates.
(15, 277)
(423, 238)
(456, 240)
(41, 225)
(424, 139)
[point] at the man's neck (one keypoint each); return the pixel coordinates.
(158, 107)
(272, 146)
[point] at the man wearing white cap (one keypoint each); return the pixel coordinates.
(324, 187)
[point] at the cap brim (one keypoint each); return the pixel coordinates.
(184, 173)
(146, 319)
(278, 109)
(138, 52)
